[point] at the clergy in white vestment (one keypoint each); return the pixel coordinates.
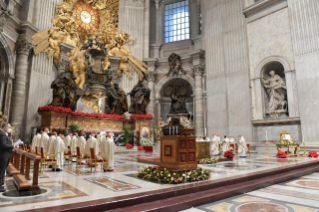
(218, 139)
(92, 142)
(50, 146)
(226, 146)
(34, 142)
(215, 145)
(67, 141)
(74, 142)
(81, 143)
(242, 147)
(108, 150)
(58, 149)
(231, 140)
(44, 140)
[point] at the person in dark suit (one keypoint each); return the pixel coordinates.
(5, 151)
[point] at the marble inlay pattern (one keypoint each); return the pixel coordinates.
(56, 190)
(112, 184)
(78, 172)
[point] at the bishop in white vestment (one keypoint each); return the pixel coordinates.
(215, 145)
(91, 143)
(58, 149)
(226, 146)
(242, 147)
(67, 141)
(81, 143)
(50, 145)
(34, 142)
(108, 150)
(44, 140)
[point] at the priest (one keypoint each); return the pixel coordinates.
(108, 150)
(44, 140)
(242, 146)
(67, 141)
(215, 146)
(34, 142)
(51, 143)
(58, 150)
(231, 140)
(91, 143)
(74, 142)
(226, 146)
(81, 142)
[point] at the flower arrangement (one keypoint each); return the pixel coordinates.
(69, 111)
(281, 154)
(141, 116)
(140, 148)
(313, 154)
(146, 143)
(161, 175)
(129, 146)
(208, 161)
(229, 154)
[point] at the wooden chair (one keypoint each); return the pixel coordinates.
(248, 149)
(94, 161)
(233, 147)
(72, 155)
(79, 158)
(45, 161)
(67, 154)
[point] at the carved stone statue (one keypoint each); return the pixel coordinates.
(140, 98)
(276, 90)
(187, 123)
(175, 65)
(64, 90)
(119, 103)
(178, 104)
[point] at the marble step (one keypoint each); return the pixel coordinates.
(204, 197)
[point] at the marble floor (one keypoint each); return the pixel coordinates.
(78, 185)
(298, 195)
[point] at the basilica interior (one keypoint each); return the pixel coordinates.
(160, 105)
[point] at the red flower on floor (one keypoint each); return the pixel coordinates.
(313, 154)
(281, 154)
(140, 148)
(129, 146)
(229, 154)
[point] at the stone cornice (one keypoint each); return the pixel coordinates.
(29, 28)
(263, 8)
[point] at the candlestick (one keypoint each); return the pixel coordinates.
(267, 151)
(176, 130)
(304, 150)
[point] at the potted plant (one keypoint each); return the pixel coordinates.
(75, 129)
(147, 144)
(128, 136)
(313, 154)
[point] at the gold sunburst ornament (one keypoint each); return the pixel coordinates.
(87, 17)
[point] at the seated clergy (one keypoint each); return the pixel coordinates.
(242, 146)
(44, 140)
(215, 146)
(81, 143)
(67, 141)
(231, 140)
(74, 142)
(35, 142)
(50, 144)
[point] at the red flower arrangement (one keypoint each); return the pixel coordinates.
(129, 146)
(229, 154)
(141, 116)
(313, 154)
(140, 148)
(281, 154)
(69, 111)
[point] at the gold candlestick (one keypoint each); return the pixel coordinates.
(267, 151)
(304, 150)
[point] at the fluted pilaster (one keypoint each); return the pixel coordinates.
(199, 107)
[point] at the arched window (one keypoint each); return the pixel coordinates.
(177, 21)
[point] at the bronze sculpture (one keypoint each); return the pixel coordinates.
(175, 65)
(140, 98)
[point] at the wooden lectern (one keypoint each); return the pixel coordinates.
(178, 152)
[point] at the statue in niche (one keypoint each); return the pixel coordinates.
(119, 103)
(64, 90)
(175, 65)
(276, 90)
(178, 104)
(140, 98)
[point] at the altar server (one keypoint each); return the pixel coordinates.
(215, 145)
(242, 146)
(58, 150)
(44, 139)
(81, 142)
(108, 150)
(67, 140)
(226, 146)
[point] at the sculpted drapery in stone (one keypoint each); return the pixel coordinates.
(178, 104)
(277, 90)
(140, 98)
(119, 103)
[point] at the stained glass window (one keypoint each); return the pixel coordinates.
(87, 17)
(176, 21)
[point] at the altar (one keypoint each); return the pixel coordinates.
(287, 142)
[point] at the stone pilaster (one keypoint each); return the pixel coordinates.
(199, 107)
(23, 48)
(5, 13)
(64, 57)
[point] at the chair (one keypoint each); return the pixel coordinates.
(248, 149)
(220, 147)
(79, 157)
(45, 161)
(72, 155)
(67, 154)
(233, 147)
(94, 161)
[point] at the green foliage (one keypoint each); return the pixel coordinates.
(208, 161)
(146, 143)
(127, 134)
(75, 128)
(287, 144)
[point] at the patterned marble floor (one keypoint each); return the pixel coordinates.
(298, 195)
(74, 185)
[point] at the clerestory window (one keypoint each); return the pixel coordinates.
(177, 21)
